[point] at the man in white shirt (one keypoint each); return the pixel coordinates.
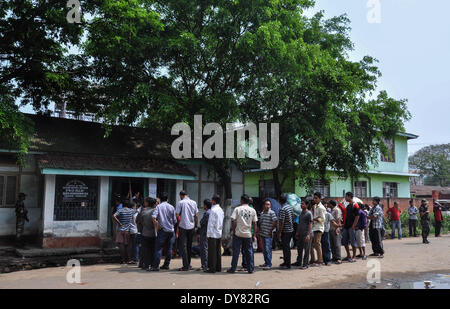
(214, 234)
(243, 219)
(187, 211)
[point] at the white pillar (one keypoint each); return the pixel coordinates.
(103, 206)
(49, 204)
(152, 187)
(178, 188)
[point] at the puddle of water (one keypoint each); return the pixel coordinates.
(438, 281)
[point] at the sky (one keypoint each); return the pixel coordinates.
(412, 44)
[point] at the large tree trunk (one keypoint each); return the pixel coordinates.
(225, 177)
(276, 182)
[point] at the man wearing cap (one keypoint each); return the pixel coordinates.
(424, 220)
(21, 216)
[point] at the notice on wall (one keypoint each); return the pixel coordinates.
(75, 190)
(152, 189)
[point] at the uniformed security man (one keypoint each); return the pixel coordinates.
(21, 216)
(425, 220)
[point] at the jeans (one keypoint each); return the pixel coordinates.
(204, 251)
(148, 251)
(326, 250)
(336, 242)
(303, 250)
(267, 250)
(286, 244)
(412, 227)
(186, 237)
(214, 254)
(167, 239)
(396, 225)
(138, 253)
(246, 243)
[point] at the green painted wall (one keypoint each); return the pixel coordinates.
(338, 186)
(401, 158)
(251, 182)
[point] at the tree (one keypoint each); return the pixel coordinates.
(322, 101)
(433, 162)
(35, 67)
(15, 128)
(161, 62)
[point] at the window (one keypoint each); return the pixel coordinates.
(321, 186)
(266, 188)
(390, 156)
(360, 188)
(76, 198)
(390, 189)
(8, 190)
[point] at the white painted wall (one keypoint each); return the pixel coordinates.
(48, 205)
(178, 188)
(152, 187)
(8, 221)
(103, 206)
(75, 228)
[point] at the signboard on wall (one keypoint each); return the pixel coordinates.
(76, 198)
(75, 190)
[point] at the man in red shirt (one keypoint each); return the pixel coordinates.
(437, 210)
(395, 219)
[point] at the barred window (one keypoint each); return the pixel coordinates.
(266, 188)
(360, 188)
(321, 186)
(390, 156)
(390, 189)
(8, 190)
(76, 198)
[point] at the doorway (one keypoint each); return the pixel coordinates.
(123, 186)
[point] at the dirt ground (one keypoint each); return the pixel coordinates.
(405, 257)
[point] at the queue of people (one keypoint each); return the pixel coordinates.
(321, 229)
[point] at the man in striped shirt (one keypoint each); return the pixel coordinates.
(124, 217)
(267, 223)
(285, 230)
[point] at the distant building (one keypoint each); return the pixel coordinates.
(416, 180)
(431, 192)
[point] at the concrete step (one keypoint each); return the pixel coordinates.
(10, 264)
(7, 251)
(40, 252)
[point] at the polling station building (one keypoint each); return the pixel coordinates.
(72, 172)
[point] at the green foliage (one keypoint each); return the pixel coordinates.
(15, 128)
(434, 162)
(34, 64)
(322, 100)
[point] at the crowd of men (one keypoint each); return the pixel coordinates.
(145, 229)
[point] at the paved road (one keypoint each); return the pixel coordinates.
(406, 256)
